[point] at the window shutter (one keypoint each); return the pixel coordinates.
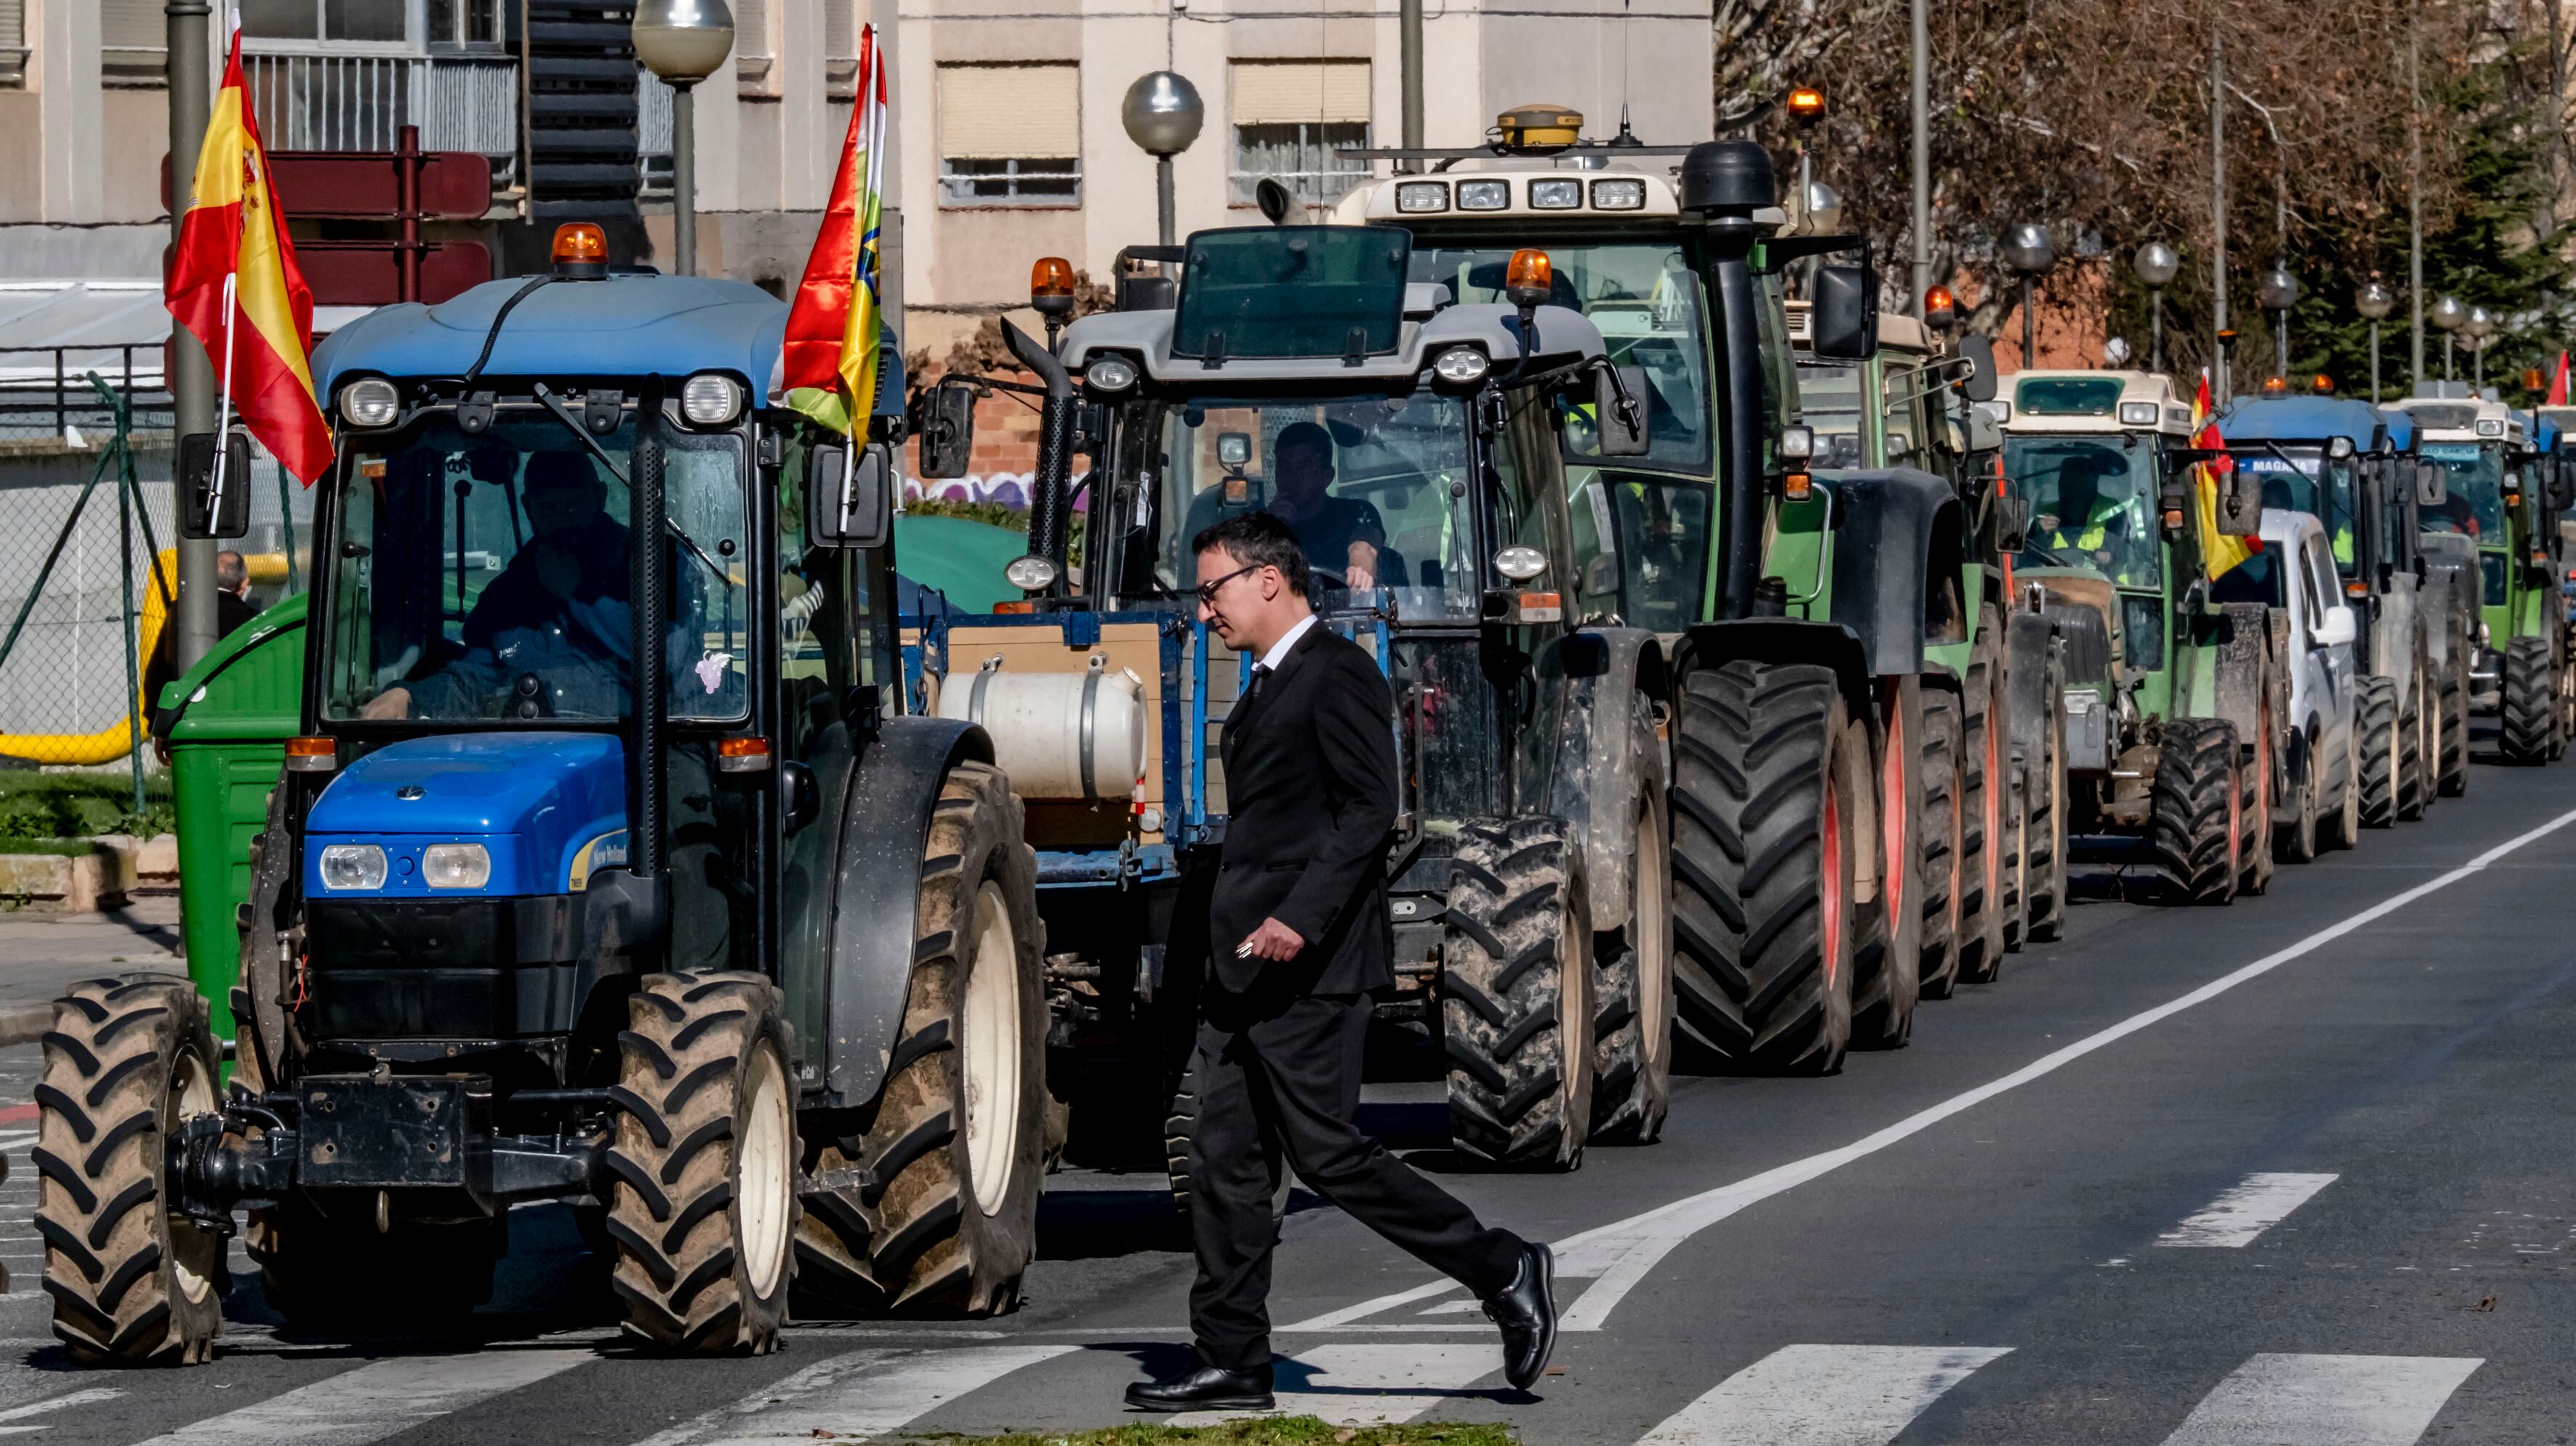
(1289, 92)
(840, 29)
(1006, 112)
(132, 25)
(13, 25)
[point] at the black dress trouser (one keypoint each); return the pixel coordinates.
(1284, 1080)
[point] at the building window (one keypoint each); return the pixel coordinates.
(363, 21)
(841, 49)
(13, 43)
(755, 49)
(1010, 135)
(1292, 118)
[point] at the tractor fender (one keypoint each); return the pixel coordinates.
(2392, 646)
(1782, 641)
(885, 824)
(2250, 639)
(2030, 638)
(1598, 684)
(1897, 566)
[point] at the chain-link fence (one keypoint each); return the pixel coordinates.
(88, 567)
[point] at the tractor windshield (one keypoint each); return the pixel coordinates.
(1378, 490)
(1642, 297)
(2475, 506)
(2317, 485)
(486, 576)
(2092, 504)
(1829, 403)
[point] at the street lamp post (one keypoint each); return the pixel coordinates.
(2374, 301)
(2156, 265)
(2480, 326)
(2028, 251)
(1918, 66)
(2447, 316)
(1163, 114)
(682, 42)
(2278, 292)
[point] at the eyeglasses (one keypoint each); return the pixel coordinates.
(1208, 590)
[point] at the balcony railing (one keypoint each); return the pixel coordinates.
(358, 102)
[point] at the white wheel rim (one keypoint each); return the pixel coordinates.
(1573, 1018)
(192, 1093)
(992, 1052)
(764, 1186)
(1651, 926)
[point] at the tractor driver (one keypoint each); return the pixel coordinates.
(2089, 520)
(1343, 536)
(558, 611)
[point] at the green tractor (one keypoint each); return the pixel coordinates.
(1793, 615)
(2176, 695)
(746, 974)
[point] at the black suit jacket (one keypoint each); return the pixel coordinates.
(1310, 786)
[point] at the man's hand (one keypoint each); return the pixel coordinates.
(1273, 941)
(391, 703)
(1361, 574)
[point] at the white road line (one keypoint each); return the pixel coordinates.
(90, 1397)
(2236, 1217)
(863, 1393)
(2325, 1401)
(1823, 1396)
(1620, 1254)
(377, 1400)
(1371, 1385)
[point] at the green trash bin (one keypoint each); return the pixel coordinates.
(234, 712)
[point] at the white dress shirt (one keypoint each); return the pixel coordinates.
(1278, 653)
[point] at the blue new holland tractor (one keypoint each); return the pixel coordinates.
(607, 871)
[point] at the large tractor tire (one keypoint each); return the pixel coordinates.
(2428, 762)
(704, 1162)
(2376, 751)
(2045, 899)
(134, 1282)
(2340, 828)
(925, 1202)
(2454, 770)
(2414, 773)
(1762, 869)
(1943, 823)
(1984, 792)
(1889, 953)
(1516, 995)
(2563, 720)
(1632, 1005)
(2261, 782)
(2529, 715)
(2198, 822)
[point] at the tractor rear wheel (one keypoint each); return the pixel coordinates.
(2414, 780)
(2455, 730)
(1632, 1007)
(1516, 995)
(2254, 848)
(1983, 795)
(2047, 867)
(925, 1201)
(704, 1160)
(1886, 984)
(134, 1282)
(2374, 724)
(1942, 824)
(2198, 827)
(2530, 702)
(1762, 922)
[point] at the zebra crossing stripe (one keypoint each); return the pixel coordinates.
(1367, 1385)
(861, 1394)
(1823, 1396)
(376, 1401)
(2236, 1217)
(2286, 1400)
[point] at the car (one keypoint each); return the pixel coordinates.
(2295, 572)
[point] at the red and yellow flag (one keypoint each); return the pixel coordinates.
(2219, 552)
(2558, 384)
(830, 363)
(235, 285)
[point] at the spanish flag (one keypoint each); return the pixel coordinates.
(235, 285)
(2219, 552)
(829, 367)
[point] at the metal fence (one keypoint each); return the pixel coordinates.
(361, 102)
(87, 551)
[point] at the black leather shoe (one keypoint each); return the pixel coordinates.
(1207, 1389)
(1526, 1310)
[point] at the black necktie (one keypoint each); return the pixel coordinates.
(1260, 671)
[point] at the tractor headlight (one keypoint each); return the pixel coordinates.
(369, 402)
(1415, 197)
(1109, 374)
(455, 866)
(2490, 427)
(1558, 195)
(1520, 563)
(1461, 366)
(1619, 195)
(709, 400)
(1030, 574)
(2137, 414)
(1484, 195)
(353, 866)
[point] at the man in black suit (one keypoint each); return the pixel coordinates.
(1298, 939)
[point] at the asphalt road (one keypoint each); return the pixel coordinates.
(2302, 1170)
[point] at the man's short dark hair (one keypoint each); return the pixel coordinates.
(1307, 436)
(1258, 539)
(231, 573)
(560, 469)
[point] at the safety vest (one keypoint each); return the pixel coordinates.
(2092, 536)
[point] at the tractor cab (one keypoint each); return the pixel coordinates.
(2483, 448)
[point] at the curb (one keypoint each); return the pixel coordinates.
(24, 1023)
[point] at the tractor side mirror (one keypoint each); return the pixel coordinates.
(2012, 523)
(2562, 483)
(1844, 319)
(2432, 484)
(1979, 353)
(204, 515)
(2337, 627)
(946, 431)
(849, 496)
(1624, 431)
(2240, 504)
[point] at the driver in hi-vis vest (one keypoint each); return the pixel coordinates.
(2099, 528)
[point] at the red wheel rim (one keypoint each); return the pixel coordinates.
(1994, 819)
(1830, 847)
(2235, 826)
(1892, 810)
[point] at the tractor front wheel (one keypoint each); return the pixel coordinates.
(1516, 995)
(1984, 796)
(2374, 723)
(2047, 866)
(2455, 727)
(2530, 702)
(2199, 807)
(1944, 821)
(1632, 1013)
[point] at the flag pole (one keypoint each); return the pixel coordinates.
(187, 36)
(224, 407)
